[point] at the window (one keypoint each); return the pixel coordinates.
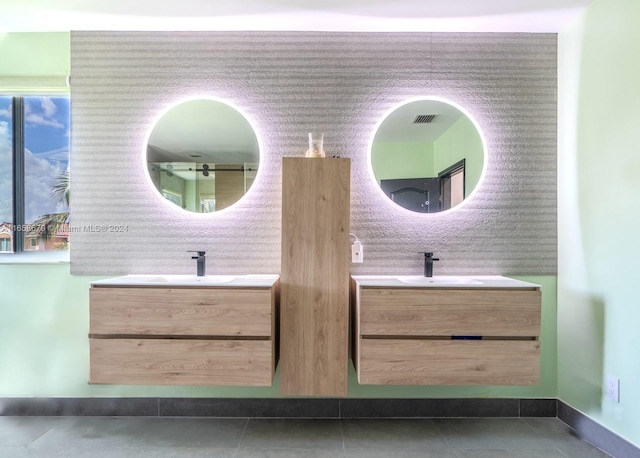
(34, 173)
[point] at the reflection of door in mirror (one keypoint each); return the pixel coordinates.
(416, 140)
(452, 190)
(416, 194)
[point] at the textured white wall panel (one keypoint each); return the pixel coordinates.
(289, 84)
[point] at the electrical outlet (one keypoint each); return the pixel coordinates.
(613, 388)
(356, 252)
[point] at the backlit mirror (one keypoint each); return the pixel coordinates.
(427, 155)
(202, 155)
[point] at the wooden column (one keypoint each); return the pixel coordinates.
(314, 278)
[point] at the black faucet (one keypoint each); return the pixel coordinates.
(201, 262)
(428, 264)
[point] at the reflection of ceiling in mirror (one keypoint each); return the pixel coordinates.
(203, 131)
(399, 125)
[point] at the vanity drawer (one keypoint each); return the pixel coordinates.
(181, 311)
(448, 362)
(449, 312)
(182, 362)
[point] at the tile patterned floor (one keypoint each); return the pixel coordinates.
(102, 437)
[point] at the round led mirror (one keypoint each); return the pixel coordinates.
(427, 155)
(202, 155)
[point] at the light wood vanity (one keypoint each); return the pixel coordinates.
(480, 332)
(186, 330)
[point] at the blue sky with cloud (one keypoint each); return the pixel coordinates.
(46, 154)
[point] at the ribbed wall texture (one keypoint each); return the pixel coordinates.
(289, 84)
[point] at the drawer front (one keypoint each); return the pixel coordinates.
(181, 362)
(181, 312)
(448, 362)
(442, 312)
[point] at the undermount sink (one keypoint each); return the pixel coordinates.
(435, 281)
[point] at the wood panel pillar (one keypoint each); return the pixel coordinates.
(314, 281)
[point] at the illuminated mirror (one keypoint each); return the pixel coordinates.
(202, 155)
(427, 155)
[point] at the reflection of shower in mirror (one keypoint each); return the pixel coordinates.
(202, 155)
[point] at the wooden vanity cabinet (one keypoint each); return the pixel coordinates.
(182, 335)
(446, 336)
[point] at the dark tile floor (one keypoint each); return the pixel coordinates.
(101, 437)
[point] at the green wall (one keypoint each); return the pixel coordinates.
(44, 322)
(598, 190)
(391, 160)
(34, 61)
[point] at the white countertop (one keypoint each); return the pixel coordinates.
(454, 281)
(247, 281)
